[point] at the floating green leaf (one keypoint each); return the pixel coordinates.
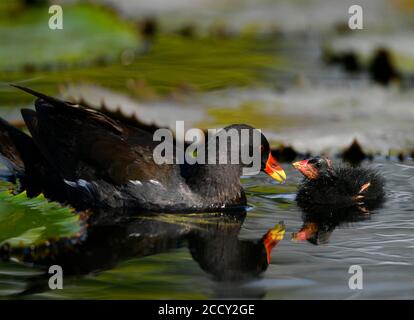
(89, 32)
(31, 221)
(173, 64)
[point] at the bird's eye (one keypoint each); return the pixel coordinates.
(316, 162)
(320, 163)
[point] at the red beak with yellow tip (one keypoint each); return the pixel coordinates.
(274, 170)
(307, 169)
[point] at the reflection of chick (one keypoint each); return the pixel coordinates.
(229, 259)
(319, 221)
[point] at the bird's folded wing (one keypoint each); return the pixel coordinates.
(86, 144)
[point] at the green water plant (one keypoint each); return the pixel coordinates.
(33, 221)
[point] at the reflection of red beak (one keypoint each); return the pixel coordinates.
(300, 236)
(274, 170)
(272, 238)
(307, 169)
(307, 232)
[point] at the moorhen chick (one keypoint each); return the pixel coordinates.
(85, 158)
(339, 186)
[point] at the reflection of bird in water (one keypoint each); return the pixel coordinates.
(320, 221)
(233, 262)
(228, 258)
(212, 240)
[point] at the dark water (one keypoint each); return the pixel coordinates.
(224, 256)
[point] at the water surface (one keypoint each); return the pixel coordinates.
(222, 256)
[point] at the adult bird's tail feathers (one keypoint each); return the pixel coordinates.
(19, 152)
(49, 99)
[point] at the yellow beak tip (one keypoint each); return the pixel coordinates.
(279, 176)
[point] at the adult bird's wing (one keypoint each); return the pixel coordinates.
(86, 144)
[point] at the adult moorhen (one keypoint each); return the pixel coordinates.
(82, 157)
(341, 186)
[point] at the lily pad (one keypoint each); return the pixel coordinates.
(87, 35)
(32, 221)
(173, 65)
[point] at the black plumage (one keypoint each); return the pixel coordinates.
(85, 158)
(338, 185)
